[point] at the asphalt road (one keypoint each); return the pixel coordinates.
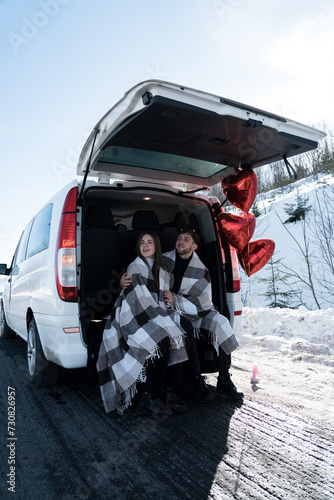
(67, 448)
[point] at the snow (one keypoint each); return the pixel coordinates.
(294, 351)
(293, 348)
(320, 193)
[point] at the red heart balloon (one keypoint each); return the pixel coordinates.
(237, 229)
(241, 190)
(255, 255)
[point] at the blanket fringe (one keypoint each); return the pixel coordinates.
(214, 342)
(154, 353)
(213, 339)
(197, 332)
(178, 341)
(126, 399)
(129, 394)
(142, 375)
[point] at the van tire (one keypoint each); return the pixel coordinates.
(41, 372)
(5, 331)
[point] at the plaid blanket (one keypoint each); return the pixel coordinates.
(194, 301)
(139, 321)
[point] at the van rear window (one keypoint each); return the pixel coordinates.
(160, 161)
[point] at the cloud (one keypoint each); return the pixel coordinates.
(308, 47)
(302, 60)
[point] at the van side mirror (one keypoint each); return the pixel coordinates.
(3, 269)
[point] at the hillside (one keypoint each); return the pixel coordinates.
(311, 240)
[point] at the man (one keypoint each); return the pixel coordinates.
(183, 256)
(190, 295)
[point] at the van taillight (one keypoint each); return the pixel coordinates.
(66, 250)
(235, 270)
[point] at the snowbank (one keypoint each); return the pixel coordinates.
(294, 350)
(287, 328)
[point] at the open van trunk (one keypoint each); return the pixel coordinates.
(113, 219)
(158, 144)
(175, 135)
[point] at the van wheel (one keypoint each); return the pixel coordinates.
(5, 331)
(41, 372)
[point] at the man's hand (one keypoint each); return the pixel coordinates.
(169, 298)
(125, 281)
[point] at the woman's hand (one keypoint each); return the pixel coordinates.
(125, 281)
(169, 298)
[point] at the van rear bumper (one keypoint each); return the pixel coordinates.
(64, 349)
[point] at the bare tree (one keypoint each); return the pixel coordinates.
(217, 190)
(321, 228)
(309, 280)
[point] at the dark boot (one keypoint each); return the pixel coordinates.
(174, 403)
(203, 393)
(153, 407)
(226, 388)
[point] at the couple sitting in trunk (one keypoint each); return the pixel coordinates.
(165, 303)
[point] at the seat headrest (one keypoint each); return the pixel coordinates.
(145, 219)
(99, 217)
(186, 220)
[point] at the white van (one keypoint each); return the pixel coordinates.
(150, 155)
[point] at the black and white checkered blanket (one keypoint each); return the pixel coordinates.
(194, 301)
(140, 320)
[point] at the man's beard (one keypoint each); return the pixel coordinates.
(183, 251)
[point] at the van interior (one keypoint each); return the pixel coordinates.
(113, 218)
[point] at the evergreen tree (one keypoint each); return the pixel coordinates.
(276, 278)
(298, 210)
(256, 210)
(328, 165)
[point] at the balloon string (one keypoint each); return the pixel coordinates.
(251, 319)
(250, 309)
(249, 284)
(250, 298)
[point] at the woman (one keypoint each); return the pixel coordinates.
(141, 339)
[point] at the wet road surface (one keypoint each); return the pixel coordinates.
(67, 448)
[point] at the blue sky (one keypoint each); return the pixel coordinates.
(66, 62)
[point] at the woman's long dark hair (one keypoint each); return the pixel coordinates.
(158, 255)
